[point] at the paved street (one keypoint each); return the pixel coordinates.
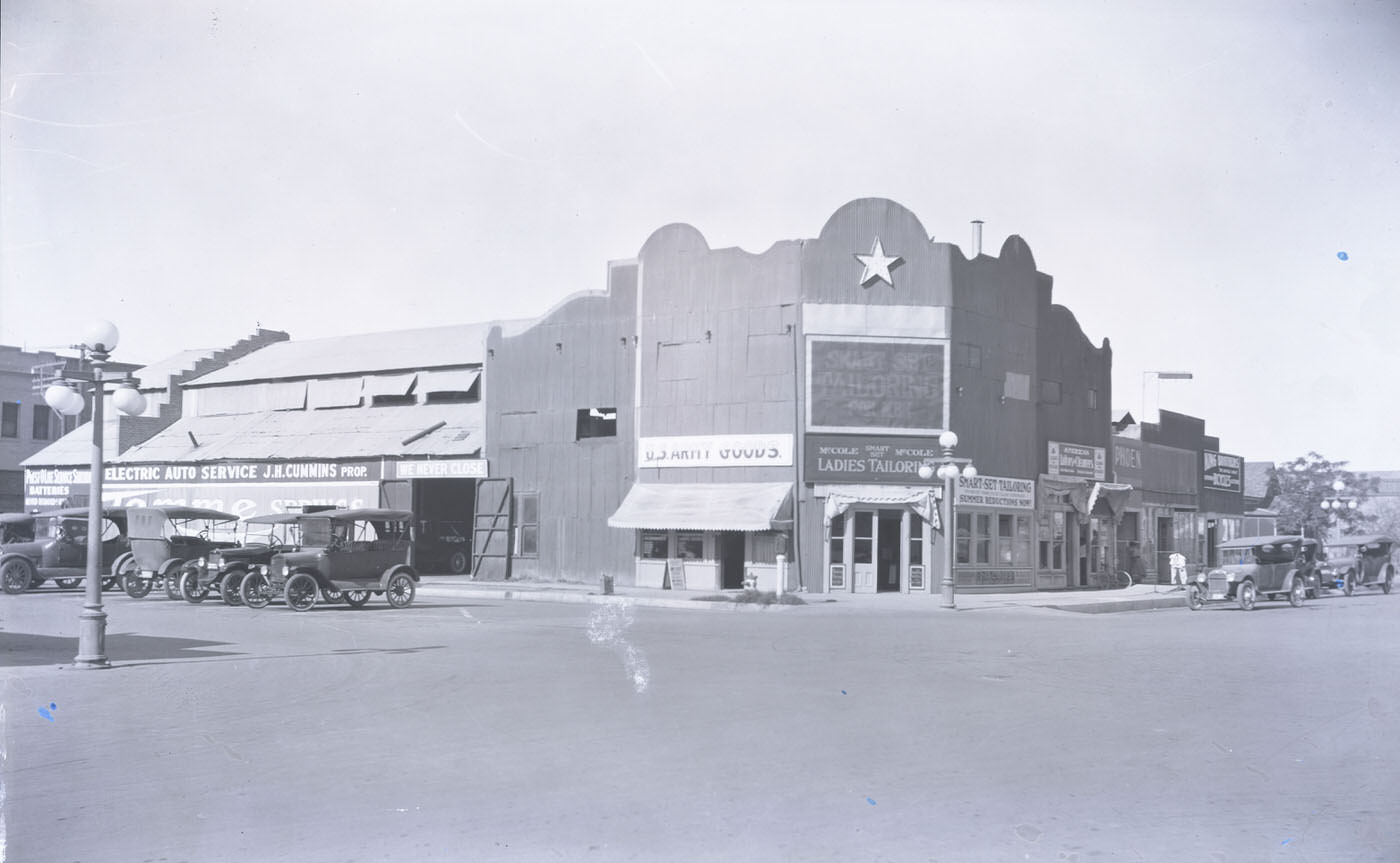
(466, 728)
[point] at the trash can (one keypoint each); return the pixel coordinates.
(607, 585)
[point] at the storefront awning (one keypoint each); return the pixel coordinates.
(750, 506)
(920, 498)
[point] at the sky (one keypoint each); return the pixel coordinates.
(1215, 187)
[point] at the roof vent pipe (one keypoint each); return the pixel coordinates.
(976, 238)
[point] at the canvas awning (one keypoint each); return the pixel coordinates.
(921, 499)
(749, 506)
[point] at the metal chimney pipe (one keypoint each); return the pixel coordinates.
(976, 237)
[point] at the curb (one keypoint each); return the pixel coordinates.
(601, 599)
(1123, 605)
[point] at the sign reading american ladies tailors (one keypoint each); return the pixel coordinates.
(737, 450)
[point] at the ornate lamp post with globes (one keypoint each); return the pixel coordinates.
(1335, 504)
(948, 469)
(98, 343)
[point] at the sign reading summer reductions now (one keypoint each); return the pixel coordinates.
(877, 385)
(1002, 492)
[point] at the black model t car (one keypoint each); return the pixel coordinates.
(349, 553)
(1274, 567)
(222, 570)
(1359, 561)
(59, 550)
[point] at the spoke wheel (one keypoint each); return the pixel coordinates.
(172, 583)
(16, 574)
(254, 590)
(301, 592)
(1246, 596)
(331, 594)
(1295, 595)
(229, 584)
(1349, 585)
(135, 584)
(1194, 600)
(457, 563)
(67, 583)
(190, 590)
(1389, 575)
(356, 598)
(400, 590)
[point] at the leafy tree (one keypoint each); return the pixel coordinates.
(1305, 482)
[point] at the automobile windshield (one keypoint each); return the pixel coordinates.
(1236, 556)
(317, 532)
(1341, 552)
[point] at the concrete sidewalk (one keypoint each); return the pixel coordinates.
(1139, 597)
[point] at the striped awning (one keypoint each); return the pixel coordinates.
(747, 506)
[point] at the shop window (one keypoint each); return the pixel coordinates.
(1052, 545)
(1005, 539)
(43, 422)
(763, 548)
(9, 419)
(1050, 392)
(916, 540)
(690, 545)
(1021, 542)
(596, 422)
(967, 355)
(982, 547)
(653, 545)
(964, 537)
(527, 524)
(863, 550)
(836, 534)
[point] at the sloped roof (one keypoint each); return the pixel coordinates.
(364, 432)
(1256, 478)
(75, 448)
(434, 347)
(157, 375)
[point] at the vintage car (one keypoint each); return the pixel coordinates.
(1274, 567)
(1359, 561)
(442, 546)
(16, 527)
(349, 553)
(59, 551)
(164, 539)
(222, 569)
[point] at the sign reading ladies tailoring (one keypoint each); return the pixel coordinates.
(734, 450)
(838, 458)
(1072, 459)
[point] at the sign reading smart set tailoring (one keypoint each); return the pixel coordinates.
(881, 385)
(1002, 492)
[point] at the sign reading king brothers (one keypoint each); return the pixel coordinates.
(1221, 472)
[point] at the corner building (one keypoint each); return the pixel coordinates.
(718, 417)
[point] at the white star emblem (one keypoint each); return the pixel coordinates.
(877, 265)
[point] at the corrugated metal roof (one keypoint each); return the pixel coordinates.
(75, 448)
(319, 434)
(458, 345)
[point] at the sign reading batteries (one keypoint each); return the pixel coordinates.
(1222, 472)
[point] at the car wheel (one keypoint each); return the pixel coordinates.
(190, 590)
(16, 574)
(356, 598)
(331, 594)
(229, 584)
(1295, 596)
(254, 590)
(1389, 574)
(457, 563)
(400, 590)
(301, 591)
(1194, 600)
(172, 582)
(1246, 595)
(135, 584)
(1348, 584)
(67, 583)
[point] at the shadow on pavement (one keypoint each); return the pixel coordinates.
(20, 648)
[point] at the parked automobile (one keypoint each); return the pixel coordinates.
(1359, 561)
(222, 570)
(164, 538)
(355, 552)
(1274, 567)
(442, 546)
(16, 527)
(59, 550)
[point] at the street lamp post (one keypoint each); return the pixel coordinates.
(948, 469)
(1160, 376)
(98, 343)
(1337, 503)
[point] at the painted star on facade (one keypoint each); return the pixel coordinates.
(877, 265)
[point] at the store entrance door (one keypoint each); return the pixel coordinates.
(887, 551)
(875, 543)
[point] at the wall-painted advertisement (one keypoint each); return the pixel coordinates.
(838, 458)
(738, 450)
(877, 385)
(1222, 472)
(1072, 459)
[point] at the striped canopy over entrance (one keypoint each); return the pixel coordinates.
(747, 506)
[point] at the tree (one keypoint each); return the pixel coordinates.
(1305, 482)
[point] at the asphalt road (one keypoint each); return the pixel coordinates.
(490, 730)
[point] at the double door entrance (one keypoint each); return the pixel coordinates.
(884, 544)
